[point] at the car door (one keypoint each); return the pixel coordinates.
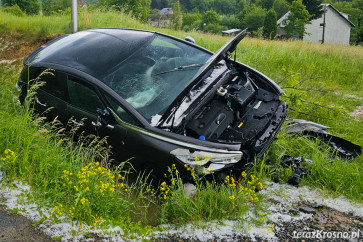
(51, 97)
(82, 106)
(84, 102)
(118, 133)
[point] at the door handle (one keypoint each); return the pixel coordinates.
(98, 124)
(76, 123)
(110, 127)
(41, 104)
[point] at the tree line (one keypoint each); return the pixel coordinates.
(260, 16)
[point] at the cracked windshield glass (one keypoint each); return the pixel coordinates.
(154, 75)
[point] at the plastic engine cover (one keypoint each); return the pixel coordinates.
(211, 120)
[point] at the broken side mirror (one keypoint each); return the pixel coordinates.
(190, 39)
(103, 119)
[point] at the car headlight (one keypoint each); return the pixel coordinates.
(206, 161)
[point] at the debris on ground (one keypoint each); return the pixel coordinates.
(344, 149)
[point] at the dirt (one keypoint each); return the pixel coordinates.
(18, 46)
(15, 227)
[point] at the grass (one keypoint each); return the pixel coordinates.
(333, 76)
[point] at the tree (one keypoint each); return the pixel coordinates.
(297, 19)
(254, 18)
(190, 19)
(223, 7)
(176, 20)
(54, 6)
(314, 8)
(231, 22)
(270, 25)
(211, 17)
(267, 4)
(27, 6)
(281, 7)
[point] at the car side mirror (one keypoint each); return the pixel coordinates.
(190, 39)
(103, 119)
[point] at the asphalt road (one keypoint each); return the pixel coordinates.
(15, 227)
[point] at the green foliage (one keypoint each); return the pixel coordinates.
(192, 21)
(281, 7)
(231, 22)
(14, 10)
(314, 8)
(267, 4)
(297, 19)
(54, 6)
(355, 11)
(270, 25)
(138, 8)
(223, 6)
(254, 18)
(211, 17)
(214, 28)
(28, 6)
(176, 20)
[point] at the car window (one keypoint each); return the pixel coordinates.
(83, 96)
(151, 79)
(125, 116)
(55, 83)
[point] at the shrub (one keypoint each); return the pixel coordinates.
(214, 28)
(14, 10)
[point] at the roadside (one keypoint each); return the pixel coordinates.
(15, 227)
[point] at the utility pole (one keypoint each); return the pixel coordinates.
(74, 16)
(323, 38)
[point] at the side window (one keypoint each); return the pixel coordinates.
(55, 84)
(83, 96)
(125, 116)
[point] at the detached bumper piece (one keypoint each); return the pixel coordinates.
(344, 149)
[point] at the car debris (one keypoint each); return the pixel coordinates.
(344, 149)
(299, 170)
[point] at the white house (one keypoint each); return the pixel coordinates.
(332, 27)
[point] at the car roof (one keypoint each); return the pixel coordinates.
(92, 51)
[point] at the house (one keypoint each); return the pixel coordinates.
(168, 12)
(332, 27)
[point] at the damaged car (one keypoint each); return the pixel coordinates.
(158, 99)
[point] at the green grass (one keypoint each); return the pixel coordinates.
(41, 158)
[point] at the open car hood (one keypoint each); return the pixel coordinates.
(224, 52)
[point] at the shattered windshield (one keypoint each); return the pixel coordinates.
(155, 74)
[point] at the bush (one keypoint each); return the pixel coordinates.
(14, 10)
(231, 22)
(214, 28)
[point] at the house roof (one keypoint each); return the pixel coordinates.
(165, 11)
(336, 10)
(279, 22)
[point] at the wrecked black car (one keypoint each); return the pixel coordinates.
(159, 99)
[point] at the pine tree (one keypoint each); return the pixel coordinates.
(176, 20)
(270, 25)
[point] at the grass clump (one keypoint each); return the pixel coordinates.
(208, 200)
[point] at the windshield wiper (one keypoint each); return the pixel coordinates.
(179, 68)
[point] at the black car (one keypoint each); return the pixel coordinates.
(159, 99)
